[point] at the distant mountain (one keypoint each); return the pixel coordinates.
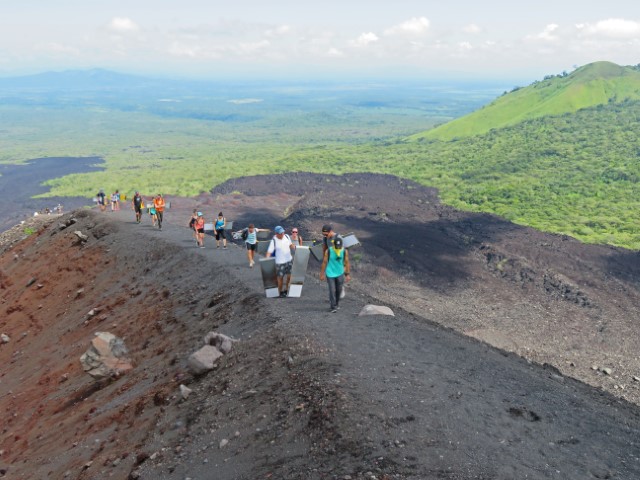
(591, 85)
(79, 80)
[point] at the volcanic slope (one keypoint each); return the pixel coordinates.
(304, 393)
(594, 84)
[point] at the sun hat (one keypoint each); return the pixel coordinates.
(279, 229)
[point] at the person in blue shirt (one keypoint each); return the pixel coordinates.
(219, 225)
(336, 269)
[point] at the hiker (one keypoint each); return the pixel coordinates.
(336, 269)
(158, 203)
(221, 222)
(152, 211)
(295, 237)
(199, 229)
(113, 201)
(281, 246)
(328, 234)
(137, 203)
(192, 225)
(250, 237)
(101, 200)
(117, 201)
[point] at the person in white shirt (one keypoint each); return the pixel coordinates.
(281, 247)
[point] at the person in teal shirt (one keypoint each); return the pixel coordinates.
(336, 269)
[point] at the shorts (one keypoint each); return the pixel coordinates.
(152, 211)
(252, 246)
(220, 234)
(283, 269)
(200, 230)
(137, 209)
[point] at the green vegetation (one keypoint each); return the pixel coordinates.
(563, 167)
(594, 84)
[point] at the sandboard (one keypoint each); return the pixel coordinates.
(264, 235)
(263, 247)
(349, 240)
(269, 277)
(298, 271)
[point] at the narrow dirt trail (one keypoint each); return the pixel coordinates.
(420, 401)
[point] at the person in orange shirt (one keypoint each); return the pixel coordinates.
(158, 202)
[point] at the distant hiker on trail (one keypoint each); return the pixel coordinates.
(192, 225)
(221, 222)
(250, 237)
(335, 268)
(199, 228)
(153, 213)
(114, 201)
(117, 201)
(158, 203)
(101, 200)
(137, 204)
(295, 237)
(281, 246)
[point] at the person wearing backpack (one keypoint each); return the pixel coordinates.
(249, 236)
(281, 246)
(336, 269)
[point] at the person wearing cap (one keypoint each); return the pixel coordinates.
(281, 246)
(199, 226)
(221, 222)
(136, 204)
(327, 236)
(336, 269)
(158, 204)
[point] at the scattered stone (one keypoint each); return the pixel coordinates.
(4, 338)
(203, 360)
(220, 341)
(185, 391)
(607, 371)
(64, 378)
(92, 312)
(81, 236)
(594, 368)
(31, 282)
(106, 357)
(87, 465)
(376, 310)
(636, 379)
(223, 443)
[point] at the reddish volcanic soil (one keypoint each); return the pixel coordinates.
(306, 394)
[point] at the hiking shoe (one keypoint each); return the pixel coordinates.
(333, 310)
(224, 248)
(283, 294)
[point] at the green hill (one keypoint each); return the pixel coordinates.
(594, 84)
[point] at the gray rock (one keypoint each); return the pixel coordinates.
(106, 357)
(223, 443)
(607, 371)
(376, 310)
(203, 360)
(185, 391)
(4, 338)
(220, 341)
(636, 379)
(81, 236)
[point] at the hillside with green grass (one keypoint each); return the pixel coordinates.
(594, 84)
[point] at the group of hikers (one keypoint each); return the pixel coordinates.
(113, 200)
(335, 267)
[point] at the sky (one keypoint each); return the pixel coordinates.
(328, 38)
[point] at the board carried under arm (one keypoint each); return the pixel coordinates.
(269, 277)
(298, 271)
(349, 240)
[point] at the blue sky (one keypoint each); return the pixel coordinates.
(272, 38)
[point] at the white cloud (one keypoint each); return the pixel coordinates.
(612, 27)
(365, 39)
(58, 49)
(123, 25)
(278, 31)
(472, 28)
(465, 46)
(415, 26)
(548, 33)
(335, 53)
